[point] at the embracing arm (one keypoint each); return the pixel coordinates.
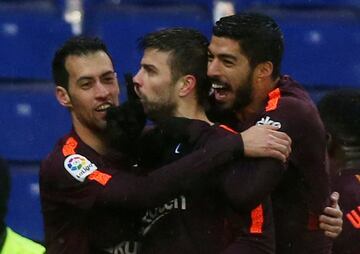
(159, 186)
(246, 183)
(266, 141)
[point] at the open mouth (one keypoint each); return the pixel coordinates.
(103, 107)
(219, 86)
(220, 90)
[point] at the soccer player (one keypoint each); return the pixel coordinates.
(340, 112)
(172, 81)
(90, 202)
(244, 64)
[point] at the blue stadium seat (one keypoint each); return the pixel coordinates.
(29, 35)
(243, 4)
(32, 121)
(24, 212)
(322, 47)
(121, 27)
(204, 3)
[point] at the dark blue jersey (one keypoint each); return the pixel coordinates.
(90, 202)
(223, 213)
(304, 190)
(74, 220)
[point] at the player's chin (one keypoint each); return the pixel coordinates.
(224, 96)
(100, 123)
(223, 103)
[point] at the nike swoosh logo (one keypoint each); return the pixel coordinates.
(177, 148)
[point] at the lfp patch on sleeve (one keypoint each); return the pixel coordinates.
(79, 166)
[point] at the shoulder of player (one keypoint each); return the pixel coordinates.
(68, 150)
(295, 109)
(296, 116)
(199, 131)
(222, 130)
(53, 160)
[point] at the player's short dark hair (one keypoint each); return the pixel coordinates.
(78, 46)
(340, 111)
(259, 36)
(188, 54)
(4, 189)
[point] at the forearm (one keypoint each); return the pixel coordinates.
(160, 185)
(247, 183)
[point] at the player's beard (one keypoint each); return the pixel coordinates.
(243, 95)
(158, 110)
(218, 112)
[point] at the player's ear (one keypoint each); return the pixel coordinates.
(187, 85)
(264, 70)
(62, 96)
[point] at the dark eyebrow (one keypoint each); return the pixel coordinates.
(227, 56)
(149, 67)
(91, 77)
(84, 78)
(107, 73)
(223, 56)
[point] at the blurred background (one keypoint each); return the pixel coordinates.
(322, 51)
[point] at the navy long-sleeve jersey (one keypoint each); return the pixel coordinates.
(227, 212)
(92, 204)
(304, 190)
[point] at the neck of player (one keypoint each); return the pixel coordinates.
(93, 138)
(260, 92)
(192, 110)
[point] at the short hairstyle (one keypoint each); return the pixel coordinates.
(188, 54)
(258, 35)
(340, 111)
(4, 189)
(78, 46)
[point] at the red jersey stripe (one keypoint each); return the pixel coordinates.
(69, 147)
(100, 177)
(274, 97)
(257, 219)
(257, 214)
(228, 128)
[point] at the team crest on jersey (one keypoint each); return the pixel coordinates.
(79, 166)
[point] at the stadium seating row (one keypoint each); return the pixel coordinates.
(32, 121)
(322, 44)
(24, 212)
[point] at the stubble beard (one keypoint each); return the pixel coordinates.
(158, 110)
(226, 112)
(243, 96)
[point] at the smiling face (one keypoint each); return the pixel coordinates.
(93, 87)
(154, 84)
(231, 74)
